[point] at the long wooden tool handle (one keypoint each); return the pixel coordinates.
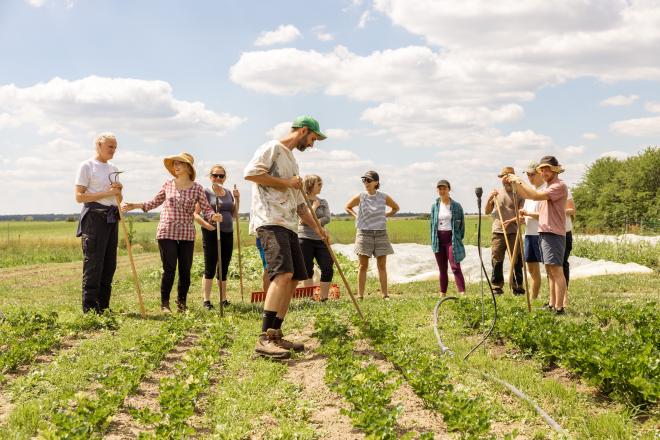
(506, 238)
(238, 239)
(522, 253)
(334, 259)
(129, 250)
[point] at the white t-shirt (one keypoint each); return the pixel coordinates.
(532, 224)
(273, 206)
(444, 218)
(569, 222)
(93, 175)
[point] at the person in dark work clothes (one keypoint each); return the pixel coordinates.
(97, 227)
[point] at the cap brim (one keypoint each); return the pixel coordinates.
(320, 135)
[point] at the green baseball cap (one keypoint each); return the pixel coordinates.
(309, 122)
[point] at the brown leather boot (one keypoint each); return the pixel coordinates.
(288, 345)
(268, 347)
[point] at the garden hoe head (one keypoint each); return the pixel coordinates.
(114, 177)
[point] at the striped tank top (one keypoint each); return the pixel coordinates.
(371, 212)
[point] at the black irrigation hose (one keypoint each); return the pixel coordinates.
(444, 349)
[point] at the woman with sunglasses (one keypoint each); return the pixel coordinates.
(227, 210)
(447, 232)
(313, 246)
(371, 236)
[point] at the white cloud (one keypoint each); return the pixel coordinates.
(146, 108)
(321, 33)
(574, 150)
(638, 127)
(36, 3)
(283, 34)
(279, 130)
(621, 155)
(365, 18)
(619, 101)
(589, 136)
(653, 107)
(337, 133)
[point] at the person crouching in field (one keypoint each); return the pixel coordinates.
(227, 209)
(277, 204)
(447, 232)
(98, 223)
(371, 236)
(176, 229)
(313, 246)
(552, 224)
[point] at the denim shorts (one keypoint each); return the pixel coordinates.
(532, 249)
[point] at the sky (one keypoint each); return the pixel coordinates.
(417, 90)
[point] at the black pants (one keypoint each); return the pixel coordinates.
(312, 249)
(210, 246)
(567, 253)
(99, 246)
(498, 250)
(171, 252)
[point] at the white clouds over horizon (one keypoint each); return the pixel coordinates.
(619, 101)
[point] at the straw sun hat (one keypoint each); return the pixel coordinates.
(181, 157)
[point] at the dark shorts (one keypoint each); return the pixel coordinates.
(282, 251)
(533, 249)
(552, 248)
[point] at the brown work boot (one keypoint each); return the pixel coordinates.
(288, 345)
(268, 347)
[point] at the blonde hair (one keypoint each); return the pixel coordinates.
(102, 137)
(309, 181)
(217, 165)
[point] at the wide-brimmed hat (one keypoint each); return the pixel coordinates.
(181, 157)
(551, 162)
(506, 170)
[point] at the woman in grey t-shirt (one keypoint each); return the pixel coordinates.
(311, 244)
(371, 236)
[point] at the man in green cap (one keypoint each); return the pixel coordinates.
(277, 204)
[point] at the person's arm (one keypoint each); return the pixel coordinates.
(82, 196)
(394, 208)
(200, 220)
(209, 213)
(306, 217)
(570, 207)
(146, 206)
(237, 197)
(525, 190)
(280, 183)
(461, 230)
(324, 218)
(355, 201)
(490, 203)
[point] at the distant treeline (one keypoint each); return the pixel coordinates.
(616, 195)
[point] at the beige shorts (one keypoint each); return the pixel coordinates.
(372, 243)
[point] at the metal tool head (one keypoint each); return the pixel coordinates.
(114, 177)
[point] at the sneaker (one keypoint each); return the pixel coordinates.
(288, 345)
(518, 291)
(267, 347)
(181, 307)
(386, 298)
(165, 308)
(498, 290)
(226, 303)
(547, 306)
(208, 305)
(560, 311)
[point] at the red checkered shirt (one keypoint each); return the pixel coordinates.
(176, 219)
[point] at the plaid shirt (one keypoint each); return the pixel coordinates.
(176, 219)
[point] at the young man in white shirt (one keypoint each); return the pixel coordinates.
(98, 223)
(277, 204)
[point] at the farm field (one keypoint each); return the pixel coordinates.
(65, 375)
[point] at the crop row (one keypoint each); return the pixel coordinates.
(179, 393)
(617, 350)
(363, 385)
(86, 417)
(24, 335)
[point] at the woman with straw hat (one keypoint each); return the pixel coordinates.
(176, 229)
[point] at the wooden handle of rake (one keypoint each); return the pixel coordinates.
(506, 238)
(129, 250)
(334, 258)
(219, 265)
(520, 243)
(238, 239)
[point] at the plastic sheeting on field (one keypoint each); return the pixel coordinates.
(415, 262)
(625, 238)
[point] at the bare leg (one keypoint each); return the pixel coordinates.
(284, 304)
(278, 290)
(559, 283)
(535, 274)
(206, 288)
(363, 265)
(551, 284)
(381, 263)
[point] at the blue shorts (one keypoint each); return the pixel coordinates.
(262, 254)
(532, 249)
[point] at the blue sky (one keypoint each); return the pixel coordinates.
(415, 90)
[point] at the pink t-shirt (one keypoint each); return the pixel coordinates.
(552, 212)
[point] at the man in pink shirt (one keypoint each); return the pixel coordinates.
(552, 224)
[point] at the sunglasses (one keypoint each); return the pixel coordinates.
(367, 180)
(218, 176)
